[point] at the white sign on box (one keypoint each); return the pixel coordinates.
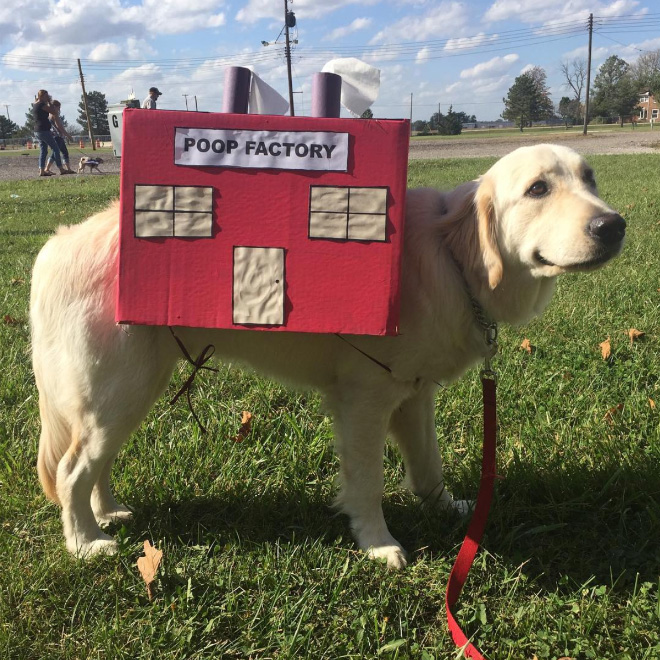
(287, 150)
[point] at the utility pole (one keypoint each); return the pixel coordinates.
(84, 94)
(288, 56)
(7, 108)
(586, 98)
(186, 97)
(196, 110)
(411, 97)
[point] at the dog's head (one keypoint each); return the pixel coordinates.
(538, 209)
(99, 161)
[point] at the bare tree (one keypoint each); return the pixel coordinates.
(575, 76)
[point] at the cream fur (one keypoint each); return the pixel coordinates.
(97, 380)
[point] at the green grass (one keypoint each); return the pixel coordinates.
(255, 564)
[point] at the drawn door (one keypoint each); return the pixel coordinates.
(258, 297)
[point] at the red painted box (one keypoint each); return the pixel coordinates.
(261, 222)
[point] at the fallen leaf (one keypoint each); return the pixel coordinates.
(246, 425)
(652, 403)
(614, 410)
(526, 345)
(635, 334)
(10, 320)
(17, 280)
(605, 348)
(148, 566)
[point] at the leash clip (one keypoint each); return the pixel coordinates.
(490, 336)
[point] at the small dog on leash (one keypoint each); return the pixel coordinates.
(92, 163)
(500, 240)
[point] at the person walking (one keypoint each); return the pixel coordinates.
(61, 135)
(41, 110)
(150, 102)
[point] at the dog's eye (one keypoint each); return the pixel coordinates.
(537, 189)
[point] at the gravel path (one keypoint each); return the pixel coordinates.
(619, 142)
(13, 168)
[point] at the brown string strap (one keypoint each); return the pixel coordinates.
(199, 363)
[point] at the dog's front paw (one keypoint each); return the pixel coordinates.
(462, 507)
(119, 514)
(104, 545)
(394, 556)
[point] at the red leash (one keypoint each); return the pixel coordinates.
(466, 554)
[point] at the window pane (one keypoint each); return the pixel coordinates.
(153, 224)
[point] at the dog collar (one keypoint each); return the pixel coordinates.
(488, 326)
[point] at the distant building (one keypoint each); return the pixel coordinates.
(648, 107)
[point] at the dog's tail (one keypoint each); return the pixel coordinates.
(53, 444)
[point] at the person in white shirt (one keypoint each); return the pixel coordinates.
(150, 102)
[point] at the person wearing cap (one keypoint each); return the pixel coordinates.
(150, 102)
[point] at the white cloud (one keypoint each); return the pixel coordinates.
(133, 48)
(256, 10)
(494, 66)
(355, 26)
(423, 55)
(444, 19)
(550, 11)
(463, 43)
(175, 17)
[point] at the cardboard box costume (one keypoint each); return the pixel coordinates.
(263, 222)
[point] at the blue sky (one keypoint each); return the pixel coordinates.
(443, 52)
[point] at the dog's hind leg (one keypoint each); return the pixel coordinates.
(118, 396)
(413, 427)
(106, 508)
(360, 428)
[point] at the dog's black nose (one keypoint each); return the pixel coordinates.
(608, 229)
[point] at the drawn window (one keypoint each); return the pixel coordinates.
(346, 213)
(179, 211)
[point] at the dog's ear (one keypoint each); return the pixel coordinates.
(486, 221)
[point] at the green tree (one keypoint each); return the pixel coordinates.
(98, 109)
(569, 110)
(367, 114)
(7, 127)
(615, 92)
(528, 99)
(27, 129)
(451, 123)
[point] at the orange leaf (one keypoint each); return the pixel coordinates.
(605, 348)
(10, 320)
(614, 410)
(635, 334)
(526, 345)
(652, 403)
(246, 425)
(148, 566)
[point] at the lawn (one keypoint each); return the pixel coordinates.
(255, 563)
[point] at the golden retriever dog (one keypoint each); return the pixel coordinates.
(500, 240)
(91, 163)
